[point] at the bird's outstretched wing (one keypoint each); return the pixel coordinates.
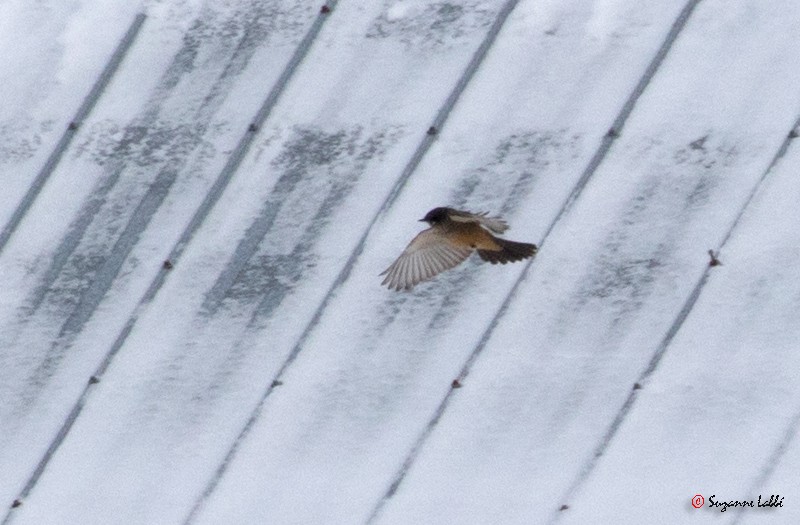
(429, 254)
(493, 224)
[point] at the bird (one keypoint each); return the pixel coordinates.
(452, 237)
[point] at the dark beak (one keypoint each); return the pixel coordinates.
(422, 220)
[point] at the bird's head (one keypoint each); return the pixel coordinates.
(435, 216)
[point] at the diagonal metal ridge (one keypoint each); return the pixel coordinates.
(86, 107)
(598, 157)
(771, 463)
(215, 192)
(627, 108)
(410, 167)
(69, 242)
(90, 298)
(159, 188)
(439, 120)
(99, 195)
(211, 198)
(673, 330)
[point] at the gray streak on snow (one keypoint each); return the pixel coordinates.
(421, 27)
(318, 171)
(145, 210)
(83, 111)
(192, 324)
(77, 281)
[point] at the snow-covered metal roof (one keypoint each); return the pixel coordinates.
(198, 198)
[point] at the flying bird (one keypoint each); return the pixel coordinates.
(452, 237)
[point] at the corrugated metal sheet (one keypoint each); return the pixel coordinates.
(200, 195)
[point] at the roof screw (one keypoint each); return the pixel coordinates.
(94, 380)
(714, 261)
(168, 265)
(432, 131)
(325, 9)
(456, 384)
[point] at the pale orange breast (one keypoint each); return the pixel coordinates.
(474, 236)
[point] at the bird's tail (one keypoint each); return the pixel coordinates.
(510, 251)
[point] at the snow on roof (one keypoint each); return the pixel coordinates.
(199, 197)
